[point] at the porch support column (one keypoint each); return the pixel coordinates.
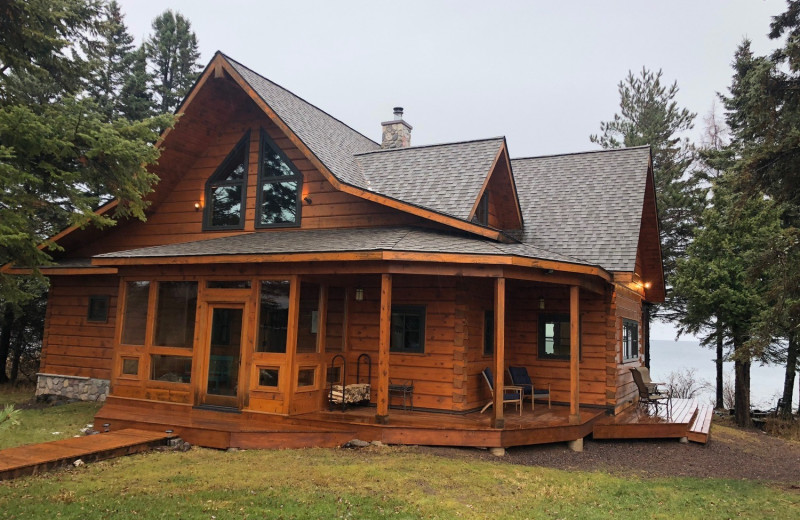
(574, 354)
(499, 350)
(382, 416)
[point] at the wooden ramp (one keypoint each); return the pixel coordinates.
(36, 458)
(686, 419)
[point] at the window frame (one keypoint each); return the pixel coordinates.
(244, 143)
(297, 177)
(421, 311)
(627, 325)
(540, 347)
(98, 298)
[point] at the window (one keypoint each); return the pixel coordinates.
(554, 336)
(175, 315)
(408, 329)
(482, 211)
(228, 284)
(488, 333)
(308, 318)
(268, 376)
(98, 309)
(630, 340)
(226, 190)
(171, 369)
(306, 377)
(130, 366)
(134, 320)
(279, 187)
(273, 318)
(335, 319)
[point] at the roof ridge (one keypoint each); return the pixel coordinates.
(298, 97)
(433, 145)
(624, 149)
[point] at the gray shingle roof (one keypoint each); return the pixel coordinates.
(585, 205)
(405, 239)
(446, 178)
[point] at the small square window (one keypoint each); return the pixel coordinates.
(630, 340)
(98, 309)
(554, 336)
(408, 329)
(130, 366)
(268, 377)
(306, 377)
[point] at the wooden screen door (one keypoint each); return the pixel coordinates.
(224, 351)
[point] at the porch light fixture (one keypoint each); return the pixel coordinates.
(359, 295)
(648, 285)
(307, 200)
(541, 303)
(197, 206)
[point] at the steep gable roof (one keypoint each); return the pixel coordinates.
(445, 177)
(585, 205)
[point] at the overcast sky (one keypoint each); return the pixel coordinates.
(543, 74)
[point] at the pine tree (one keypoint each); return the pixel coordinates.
(136, 98)
(110, 59)
(172, 53)
(649, 115)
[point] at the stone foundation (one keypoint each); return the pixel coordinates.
(72, 387)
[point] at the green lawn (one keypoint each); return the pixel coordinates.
(395, 482)
(47, 424)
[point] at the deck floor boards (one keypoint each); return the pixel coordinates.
(636, 423)
(33, 458)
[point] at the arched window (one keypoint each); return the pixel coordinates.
(226, 190)
(279, 187)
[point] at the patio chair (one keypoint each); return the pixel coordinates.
(652, 386)
(519, 377)
(647, 397)
(511, 394)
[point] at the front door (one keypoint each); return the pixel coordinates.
(224, 348)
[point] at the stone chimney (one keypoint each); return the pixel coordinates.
(396, 133)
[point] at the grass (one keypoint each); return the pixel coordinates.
(396, 482)
(45, 424)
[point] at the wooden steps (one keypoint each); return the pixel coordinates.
(36, 458)
(700, 429)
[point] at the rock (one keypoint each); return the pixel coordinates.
(78, 463)
(377, 443)
(356, 443)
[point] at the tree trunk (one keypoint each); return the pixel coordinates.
(788, 380)
(742, 393)
(16, 355)
(720, 381)
(5, 340)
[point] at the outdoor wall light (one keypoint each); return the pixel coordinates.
(307, 200)
(541, 303)
(359, 295)
(197, 206)
(647, 285)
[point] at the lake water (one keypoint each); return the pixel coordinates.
(766, 382)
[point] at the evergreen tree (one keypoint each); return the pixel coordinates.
(136, 98)
(172, 53)
(649, 115)
(110, 57)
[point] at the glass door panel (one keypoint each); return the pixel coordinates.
(224, 355)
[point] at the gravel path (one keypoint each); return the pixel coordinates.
(731, 453)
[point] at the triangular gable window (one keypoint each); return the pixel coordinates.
(279, 187)
(226, 190)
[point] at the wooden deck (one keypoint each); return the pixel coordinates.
(252, 430)
(686, 419)
(35, 458)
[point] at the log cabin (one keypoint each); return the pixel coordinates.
(286, 255)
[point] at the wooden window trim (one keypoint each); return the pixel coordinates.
(207, 226)
(262, 179)
(309, 388)
(259, 386)
(422, 311)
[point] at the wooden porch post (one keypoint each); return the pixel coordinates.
(574, 354)
(382, 416)
(499, 349)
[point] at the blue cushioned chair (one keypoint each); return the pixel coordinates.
(511, 394)
(519, 377)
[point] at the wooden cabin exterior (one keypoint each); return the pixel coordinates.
(280, 241)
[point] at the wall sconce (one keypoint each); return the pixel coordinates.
(359, 295)
(197, 206)
(541, 303)
(307, 200)
(647, 285)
